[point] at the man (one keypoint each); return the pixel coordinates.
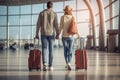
(47, 23)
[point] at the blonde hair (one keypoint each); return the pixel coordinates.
(68, 13)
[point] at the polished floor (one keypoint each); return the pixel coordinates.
(101, 66)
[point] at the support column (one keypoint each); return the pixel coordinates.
(93, 21)
(112, 34)
(102, 25)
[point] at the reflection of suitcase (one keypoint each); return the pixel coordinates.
(81, 59)
(34, 60)
(81, 56)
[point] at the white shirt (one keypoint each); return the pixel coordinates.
(64, 24)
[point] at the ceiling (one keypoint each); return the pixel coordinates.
(25, 2)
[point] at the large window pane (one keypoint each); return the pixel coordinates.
(83, 16)
(115, 23)
(26, 20)
(105, 2)
(13, 10)
(97, 35)
(34, 19)
(107, 13)
(13, 20)
(3, 10)
(25, 32)
(83, 29)
(14, 32)
(95, 6)
(26, 9)
(3, 33)
(81, 5)
(58, 6)
(59, 17)
(37, 8)
(3, 20)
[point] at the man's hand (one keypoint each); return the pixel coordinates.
(37, 36)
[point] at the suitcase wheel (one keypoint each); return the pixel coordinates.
(30, 69)
(38, 69)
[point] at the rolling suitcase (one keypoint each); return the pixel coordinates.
(34, 60)
(26, 46)
(81, 57)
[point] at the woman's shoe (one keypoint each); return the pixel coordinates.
(44, 68)
(69, 66)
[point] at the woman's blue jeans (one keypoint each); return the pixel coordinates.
(68, 46)
(47, 41)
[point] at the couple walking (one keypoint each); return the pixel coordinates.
(47, 24)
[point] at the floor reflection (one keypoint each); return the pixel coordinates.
(101, 66)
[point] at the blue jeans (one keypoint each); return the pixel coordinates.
(47, 41)
(68, 45)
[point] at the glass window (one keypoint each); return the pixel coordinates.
(72, 3)
(14, 32)
(13, 20)
(26, 32)
(115, 23)
(34, 19)
(26, 9)
(116, 8)
(107, 14)
(3, 32)
(107, 26)
(13, 10)
(58, 6)
(95, 6)
(3, 10)
(105, 2)
(83, 29)
(81, 5)
(82, 16)
(25, 20)
(3, 20)
(97, 19)
(97, 35)
(59, 17)
(37, 8)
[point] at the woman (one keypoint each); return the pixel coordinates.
(67, 39)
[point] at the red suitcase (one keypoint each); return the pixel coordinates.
(81, 56)
(81, 59)
(34, 60)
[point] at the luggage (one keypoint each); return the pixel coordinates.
(13, 46)
(2, 46)
(26, 46)
(34, 60)
(31, 45)
(81, 57)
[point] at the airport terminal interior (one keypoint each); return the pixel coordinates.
(98, 23)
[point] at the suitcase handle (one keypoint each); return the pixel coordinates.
(81, 44)
(36, 43)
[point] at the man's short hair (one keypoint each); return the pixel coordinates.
(49, 4)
